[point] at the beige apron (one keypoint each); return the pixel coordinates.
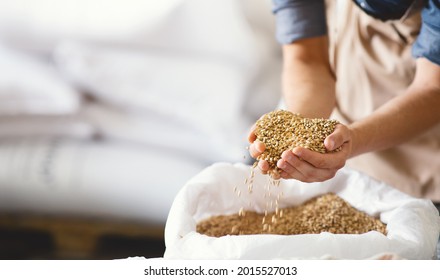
(373, 64)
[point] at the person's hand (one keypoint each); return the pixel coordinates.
(256, 148)
(308, 166)
(305, 165)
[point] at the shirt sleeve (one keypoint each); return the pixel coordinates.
(299, 19)
(428, 42)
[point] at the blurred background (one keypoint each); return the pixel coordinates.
(107, 108)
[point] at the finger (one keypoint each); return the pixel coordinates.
(288, 171)
(253, 151)
(323, 161)
(263, 165)
(304, 171)
(284, 163)
(337, 138)
(296, 176)
(251, 136)
(296, 167)
(256, 149)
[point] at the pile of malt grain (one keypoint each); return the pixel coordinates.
(326, 213)
(282, 130)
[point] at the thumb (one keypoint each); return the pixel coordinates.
(337, 138)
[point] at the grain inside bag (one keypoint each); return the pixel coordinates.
(325, 213)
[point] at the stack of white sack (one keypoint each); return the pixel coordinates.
(35, 100)
(144, 94)
(90, 178)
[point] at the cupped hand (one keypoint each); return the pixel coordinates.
(309, 166)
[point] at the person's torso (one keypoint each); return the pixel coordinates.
(372, 61)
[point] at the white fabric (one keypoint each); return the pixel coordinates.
(31, 86)
(41, 25)
(203, 94)
(37, 126)
(158, 130)
(89, 178)
(213, 79)
(169, 87)
(413, 225)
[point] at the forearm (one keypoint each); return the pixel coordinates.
(404, 117)
(308, 83)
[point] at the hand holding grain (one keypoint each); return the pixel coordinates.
(292, 147)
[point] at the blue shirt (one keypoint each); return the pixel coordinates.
(299, 19)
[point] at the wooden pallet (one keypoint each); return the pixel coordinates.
(78, 237)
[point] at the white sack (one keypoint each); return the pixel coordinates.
(159, 130)
(40, 25)
(36, 126)
(90, 178)
(413, 224)
(191, 90)
(29, 85)
(217, 80)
